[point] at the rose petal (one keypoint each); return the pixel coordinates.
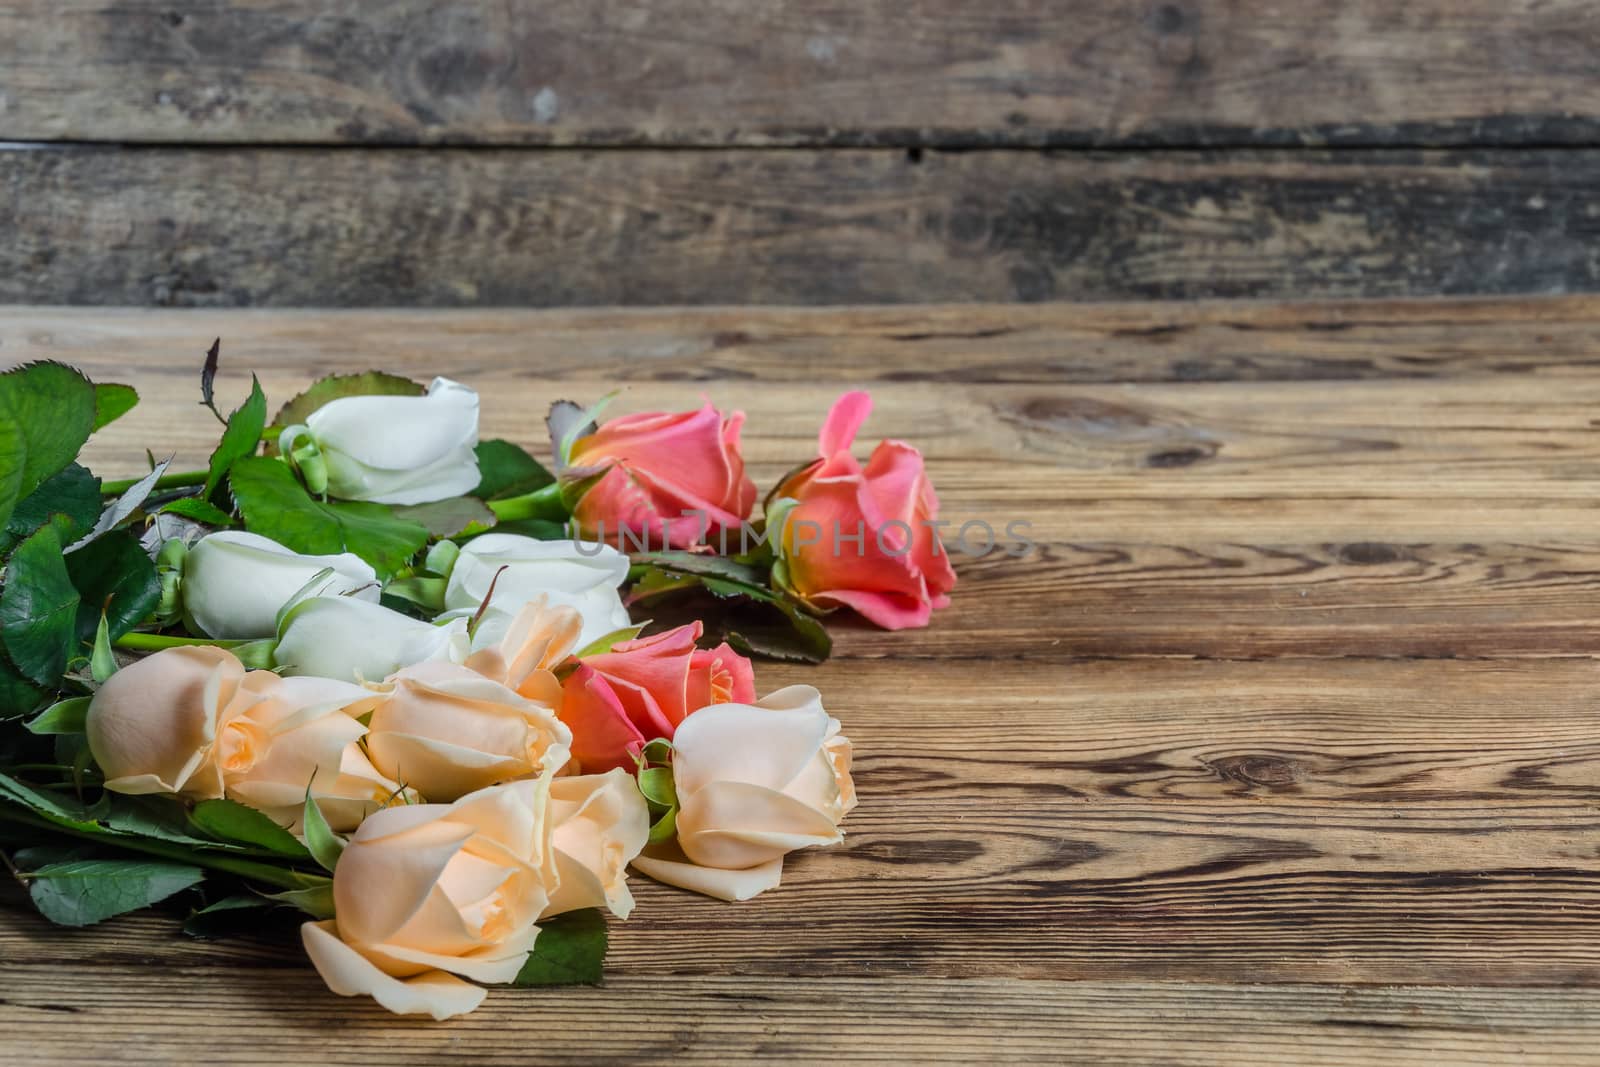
(712, 882)
(350, 974)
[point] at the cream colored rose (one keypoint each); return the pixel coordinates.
(191, 721)
(154, 725)
(581, 575)
(446, 730)
(524, 655)
(301, 735)
(430, 891)
(599, 823)
(353, 640)
(234, 582)
(754, 783)
(396, 449)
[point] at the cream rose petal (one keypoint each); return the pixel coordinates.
(712, 881)
(726, 742)
(350, 974)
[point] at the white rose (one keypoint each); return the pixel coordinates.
(754, 783)
(235, 582)
(584, 576)
(397, 449)
(356, 640)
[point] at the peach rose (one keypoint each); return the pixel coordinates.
(658, 467)
(191, 721)
(153, 726)
(860, 537)
(642, 689)
(304, 730)
(599, 824)
(446, 730)
(754, 783)
(524, 657)
(425, 892)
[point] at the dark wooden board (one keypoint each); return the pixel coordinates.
(803, 72)
(504, 227)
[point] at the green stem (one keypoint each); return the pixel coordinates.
(261, 872)
(542, 503)
(175, 480)
(138, 642)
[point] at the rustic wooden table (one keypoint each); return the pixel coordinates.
(1283, 746)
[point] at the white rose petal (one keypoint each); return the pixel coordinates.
(235, 582)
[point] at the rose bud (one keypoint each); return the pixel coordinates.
(234, 583)
(525, 655)
(304, 730)
(191, 721)
(572, 574)
(354, 640)
(599, 824)
(754, 783)
(392, 449)
(860, 537)
(642, 689)
(446, 730)
(154, 726)
(426, 892)
(658, 468)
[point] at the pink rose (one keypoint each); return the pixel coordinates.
(862, 537)
(659, 467)
(641, 690)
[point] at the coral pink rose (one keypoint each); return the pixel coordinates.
(861, 537)
(660, 467)
(642, 689)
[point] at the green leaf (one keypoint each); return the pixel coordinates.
(605, 642)
(111, 402)
(72, 492)
(570, 950)
(316, 901)
(162, 818)
(62, 812)
(704, 566)
(63, 717)
(116, 575)
(447, 518)
(337, 386)
(85, 891)
(39, 608)
(18, 696)
(506, 470)
(665, 828)
(229, 820)
(199, 510)
(226, 916)
(46, 414)
(240, 437)
(426, 593)
(325, 845)
(275, 505)
(102, 662)
(657, 752)
(656, 785)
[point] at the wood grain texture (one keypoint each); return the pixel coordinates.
(1281, 746)
(801, 72)
(1302, 451)
(718, 1021)
(311, 227)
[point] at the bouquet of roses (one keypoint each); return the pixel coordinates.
(370, 668)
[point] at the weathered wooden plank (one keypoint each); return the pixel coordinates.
(463, 227)
(801, 72)
(149, 1017)
(1451, 516)
(1353, 822)
(1052, 343)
